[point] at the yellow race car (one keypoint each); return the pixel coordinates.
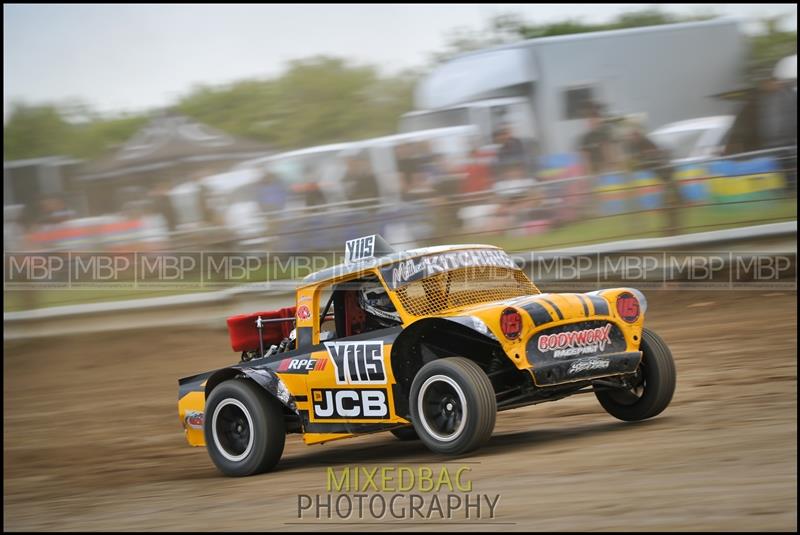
(429, 344)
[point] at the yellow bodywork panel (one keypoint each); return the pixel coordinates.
(572, 310)
(193, 402)
(323, 382)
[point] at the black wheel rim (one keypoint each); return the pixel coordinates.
(442, 408)
(232, 429)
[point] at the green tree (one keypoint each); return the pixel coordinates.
(768, 47)
(71, 129)
(511, 27)
(317, 100)
(33, 131)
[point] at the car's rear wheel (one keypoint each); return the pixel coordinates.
(244, 428)
(453, 405)
(652, 386)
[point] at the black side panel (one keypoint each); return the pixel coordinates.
(192, 384)
(553, 373)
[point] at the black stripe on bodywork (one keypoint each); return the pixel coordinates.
(600, 305)
(555, 307)
(538, 313)
(301, 399)
(584, 302)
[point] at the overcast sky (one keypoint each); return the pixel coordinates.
(128, 57)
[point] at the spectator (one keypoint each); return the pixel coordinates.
(360, 181)
(777, 114)
(54, 210)
(406, 167)
(444, 182)
(414, 162)
(155, 231)
(777, 125)
(640, 151)
(163, 204)
(311, 189)
(443, 176)
(478, 175)
(597, 145)
(768, 118)
(206, 198)
(644, 155)
(272, 194)
(510, 154)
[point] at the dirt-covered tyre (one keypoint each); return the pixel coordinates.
(405, 433)
(244, 428)
(653, 384)
(453, 405)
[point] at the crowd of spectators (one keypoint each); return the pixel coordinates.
(425, 175)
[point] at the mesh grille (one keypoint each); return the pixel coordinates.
(462, 287)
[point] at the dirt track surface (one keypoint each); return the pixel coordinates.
(92, 439)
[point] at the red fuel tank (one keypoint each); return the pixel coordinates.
(244, 334)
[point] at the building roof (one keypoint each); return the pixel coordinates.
(168, 140)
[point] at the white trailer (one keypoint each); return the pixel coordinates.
(665, 73)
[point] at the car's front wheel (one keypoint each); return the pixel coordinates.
(244, 428)
(651, 387)
(453, 405)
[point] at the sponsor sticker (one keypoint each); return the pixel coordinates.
(359, 248)
(346, 403)
(405, 271)
(303, 313)
(358, 363)
(301, 365)
(193, 419)
(589, 364)
(573, 343)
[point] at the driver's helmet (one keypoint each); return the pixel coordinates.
(374, 300)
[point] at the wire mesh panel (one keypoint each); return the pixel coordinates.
(462, 287)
